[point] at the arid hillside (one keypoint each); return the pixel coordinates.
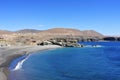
(27, 31)
(54, 31)
(5, 32)
(73, 32)
(31, 36)
(91, 33)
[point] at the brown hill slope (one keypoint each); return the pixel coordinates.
(92, 33)
(27, 31)
(27, 36)
(57, 31)
(74, 32)
(63, 31)
(5, 32)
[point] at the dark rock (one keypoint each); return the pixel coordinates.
(109, 39)
(44, 43)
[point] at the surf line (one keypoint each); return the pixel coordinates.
(18, 63)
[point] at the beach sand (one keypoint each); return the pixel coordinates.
(8, 54)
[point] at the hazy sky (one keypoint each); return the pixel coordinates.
(100, 15)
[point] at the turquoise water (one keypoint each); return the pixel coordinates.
(102, 63)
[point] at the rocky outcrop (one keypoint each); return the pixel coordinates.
(66, 43)
(62, 43)
(45, 43)
(118, 39)
(111, 38)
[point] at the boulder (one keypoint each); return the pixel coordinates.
(44, 43)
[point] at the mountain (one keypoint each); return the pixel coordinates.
(57, 31)
(92, 33)
(5, 32)
(74, 32)
(39, 36)
(28, 31)
(64, 31)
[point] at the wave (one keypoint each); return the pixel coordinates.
(18, 63)
(94, 46)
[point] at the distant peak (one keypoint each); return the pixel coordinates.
(28, 31)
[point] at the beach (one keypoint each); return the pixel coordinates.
(8, 54)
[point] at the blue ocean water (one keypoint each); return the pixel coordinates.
(106, 44)
(90, 63)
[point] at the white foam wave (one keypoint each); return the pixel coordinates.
(93, 46)
(20, 64)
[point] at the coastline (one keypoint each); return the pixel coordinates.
(8, 54)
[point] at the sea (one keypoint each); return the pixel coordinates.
(96, 61)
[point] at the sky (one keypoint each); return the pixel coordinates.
(100, 15)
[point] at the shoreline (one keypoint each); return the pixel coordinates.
(16, 63)
(7, 55)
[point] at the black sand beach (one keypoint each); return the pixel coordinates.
(8, 54)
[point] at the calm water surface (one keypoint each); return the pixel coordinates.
(102, 63)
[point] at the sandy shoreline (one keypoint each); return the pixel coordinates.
(10, 53)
